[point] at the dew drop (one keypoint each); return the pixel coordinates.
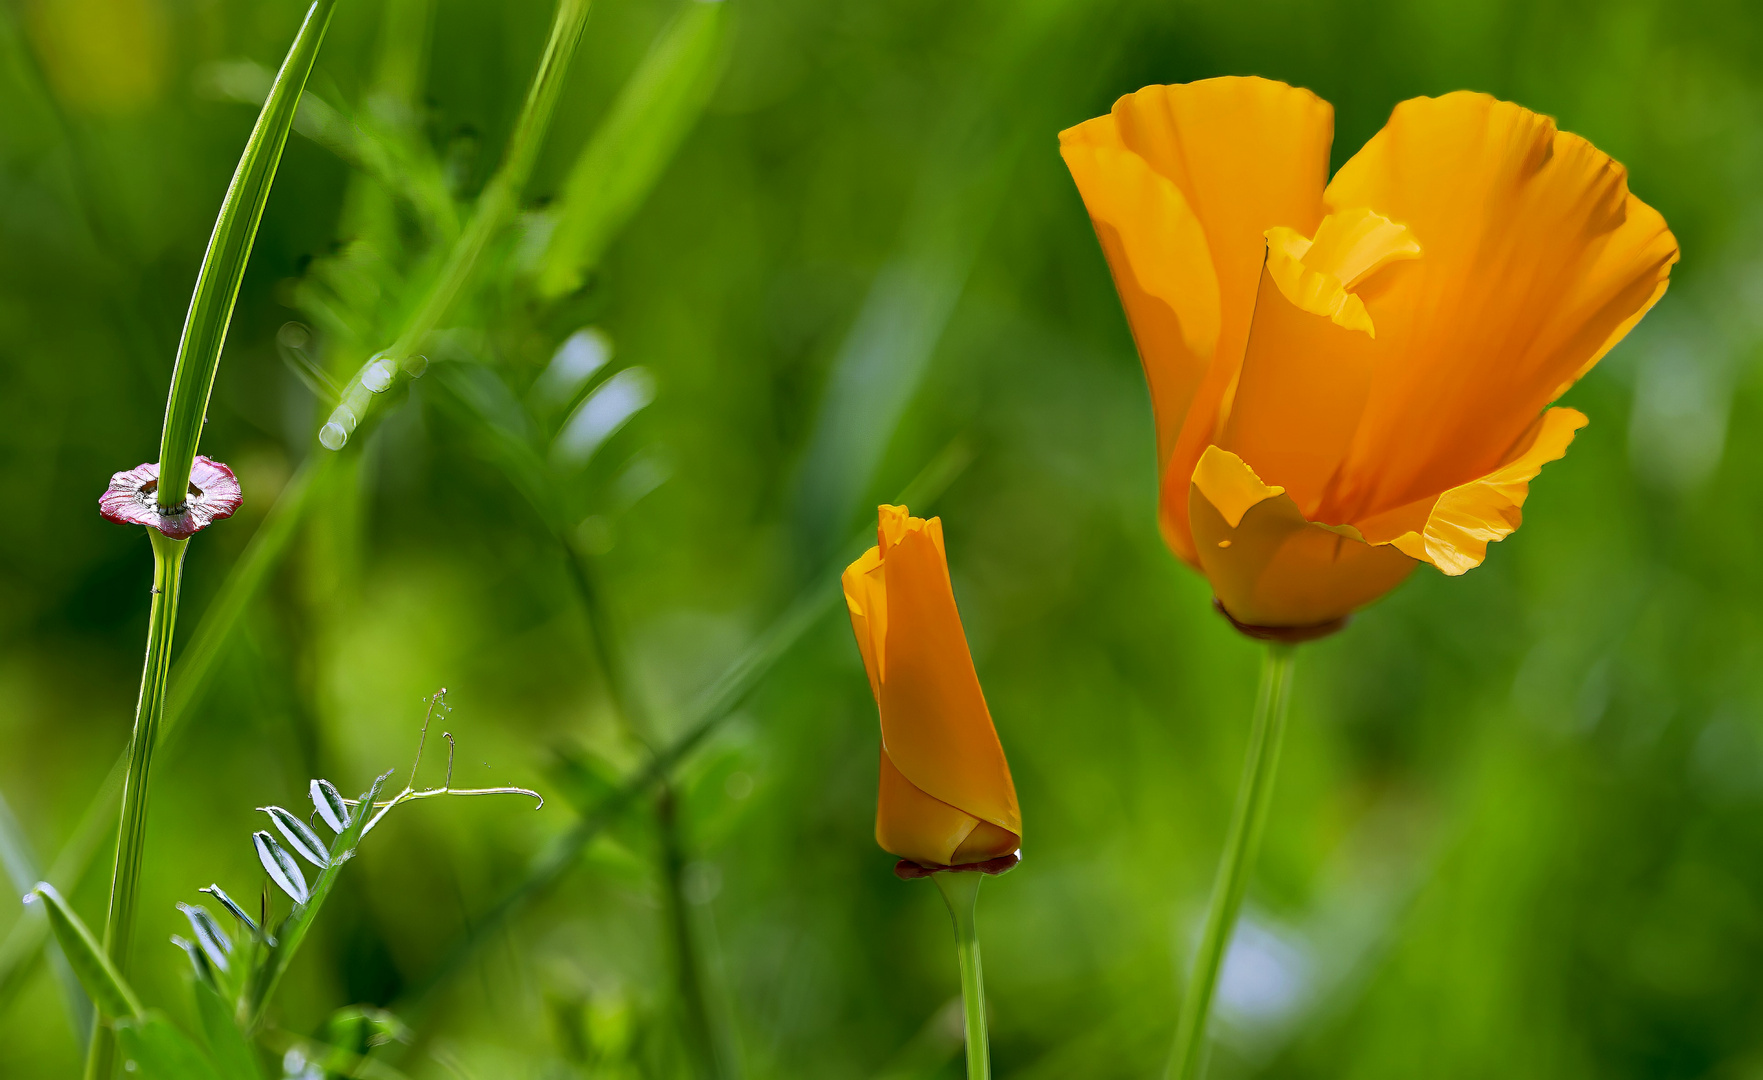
(332, 436)
(377, 377)
(416, 365)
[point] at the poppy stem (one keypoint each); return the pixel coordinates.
(961, 892)
(1266, 732)
(119, 928)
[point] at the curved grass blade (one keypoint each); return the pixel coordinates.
(650, 118)
(112, 995)
(328, 801)
(281, 867)
(223, 266)
(300, 836)
(209, 935)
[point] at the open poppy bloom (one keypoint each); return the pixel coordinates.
(946, 796)
(1351, 376)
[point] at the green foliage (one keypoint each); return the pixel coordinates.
(108, 989)
(1517, 828)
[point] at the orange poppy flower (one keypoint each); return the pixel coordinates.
(1350, 376)
(946, 796)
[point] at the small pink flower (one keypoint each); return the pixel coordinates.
(132, 498)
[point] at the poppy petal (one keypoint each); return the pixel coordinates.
(1268, 565)
(935, 724)
(1537, 260)
(1245, 154)
(914, 825)
(1460, 524)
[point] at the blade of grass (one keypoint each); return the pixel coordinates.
(713, 707)
(98, 975)
(650, 118)
(223, 266)
(20, 863)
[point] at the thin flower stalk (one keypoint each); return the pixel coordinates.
(961, 892)
(183, 493)
(1242, 841)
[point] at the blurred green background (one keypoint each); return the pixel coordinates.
(1519, 827)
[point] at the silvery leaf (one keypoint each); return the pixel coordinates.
(328, 801)
(231, 905)
(209, 935)
(305, 842)
(198, 960)
(281, 867)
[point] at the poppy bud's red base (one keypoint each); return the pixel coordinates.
(907, 870)
(1285, 635)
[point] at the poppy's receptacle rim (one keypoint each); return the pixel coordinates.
(912, 870)
(1283, 635)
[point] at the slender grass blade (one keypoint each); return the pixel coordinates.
(108, 989)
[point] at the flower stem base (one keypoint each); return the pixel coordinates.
(1248, 819)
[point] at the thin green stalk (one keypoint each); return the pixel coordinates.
(693, 993)
(961, 892)
(497, 202)
(495, 205)
(119, 927)
(223, 266)
(1248, 819)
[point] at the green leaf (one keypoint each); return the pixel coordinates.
(223, 267)
(97, 974)
(155, 1050)
(228, 1046)
(648, 121)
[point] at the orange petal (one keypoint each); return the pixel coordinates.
(1319, 275)
(1274, 568)
(1162, 249)
(1246, 154)
(936, 729)
(1304, 384)
(866, 597)
(1454, 531)
(915, 826)
(1537, 260)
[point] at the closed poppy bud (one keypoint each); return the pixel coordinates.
(946, 797)
(1352, 376)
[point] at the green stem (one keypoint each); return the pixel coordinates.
(693, 993)
(125, 881)
(1266, 732)
(497, 202)
(961, 892)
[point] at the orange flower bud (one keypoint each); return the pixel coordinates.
(1350, 376)
(946, 796)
